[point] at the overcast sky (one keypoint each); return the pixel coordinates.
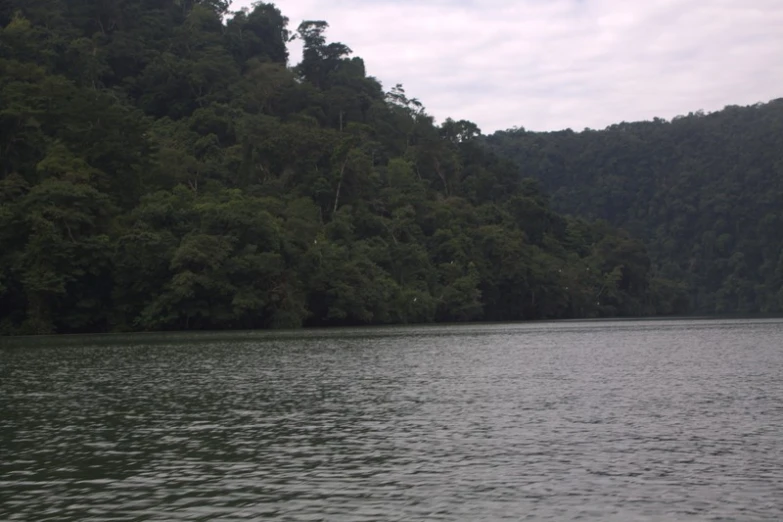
(554, 64)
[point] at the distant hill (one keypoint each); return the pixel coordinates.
(704, 192)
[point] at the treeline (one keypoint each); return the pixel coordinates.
(162, 167)
(704, 192)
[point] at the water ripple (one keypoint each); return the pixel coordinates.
(664, 420)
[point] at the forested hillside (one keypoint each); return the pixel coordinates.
(704, 191)
(162, 166)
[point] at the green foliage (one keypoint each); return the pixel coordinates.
(161, 167)
(702, 191)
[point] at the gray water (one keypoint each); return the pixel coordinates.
(651, 420)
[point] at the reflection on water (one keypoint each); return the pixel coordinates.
(657, 420)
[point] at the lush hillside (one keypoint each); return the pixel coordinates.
(162, 167)
(705, 192)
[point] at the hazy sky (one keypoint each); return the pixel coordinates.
(553, 64)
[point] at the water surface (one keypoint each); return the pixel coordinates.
(624, 420)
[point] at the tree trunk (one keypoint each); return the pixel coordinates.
(339, 185)
(442, 177)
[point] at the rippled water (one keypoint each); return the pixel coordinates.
(657, 420)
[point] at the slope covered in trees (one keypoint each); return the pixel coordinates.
(704, 191)
(163, 167)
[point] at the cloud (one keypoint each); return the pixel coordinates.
(554, 64)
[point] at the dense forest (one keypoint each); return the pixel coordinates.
(163, 166)
(703, 191)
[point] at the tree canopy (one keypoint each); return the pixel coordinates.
(162, 166)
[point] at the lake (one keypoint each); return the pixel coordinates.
(594, 420)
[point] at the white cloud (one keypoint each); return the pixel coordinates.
(552, 64)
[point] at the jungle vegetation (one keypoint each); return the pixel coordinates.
(163, 165)
(703, 191)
